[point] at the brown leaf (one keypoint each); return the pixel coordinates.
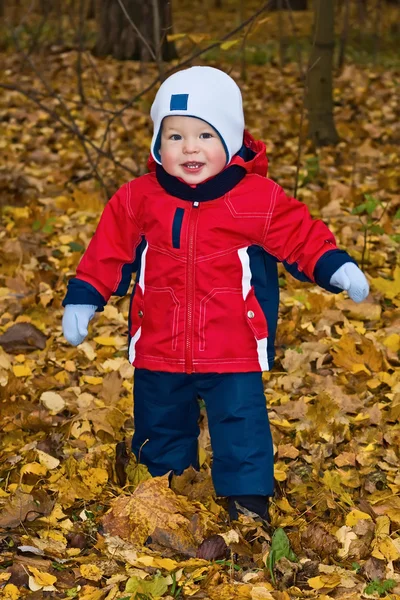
(348, 354)
(318, 539)
(121, 460)
(154, 506)
(22, 337)
(196, 485)
(374, 568)
(212, 548)
(25, 507)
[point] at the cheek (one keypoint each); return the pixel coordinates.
(219, 158)
(168, 157)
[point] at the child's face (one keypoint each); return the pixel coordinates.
(191, 149)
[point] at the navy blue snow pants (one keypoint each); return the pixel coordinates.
(166, 413)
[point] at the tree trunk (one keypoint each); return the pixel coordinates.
(128, 31)
(319, 80)
(291, 5)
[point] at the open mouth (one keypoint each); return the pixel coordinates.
(192, 166)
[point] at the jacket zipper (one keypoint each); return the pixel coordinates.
(194, 215)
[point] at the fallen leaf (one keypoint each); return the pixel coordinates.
(22, 337)
(53, 402)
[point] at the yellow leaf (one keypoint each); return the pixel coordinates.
(115, 341)
(159, 563)
(382, 525)
(228, 45)
(356, 368)
(91, 571)
(92, 380)
(136, 473)
(176, 36)
(34, 469)
(280, 471)
(10, 592)
(21, 371)
(328, 581)
(42, 579)
(389, 288)
(65, 239)
(202, 456)
(94, 478)
(332, 481)
(197, 38)
(89, 592)
(282, 424)
(63, 377)
(4, 577)
(356, 515)
(373, 383)
(385, 549)
(392, 342)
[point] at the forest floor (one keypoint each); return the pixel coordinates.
(75, 515)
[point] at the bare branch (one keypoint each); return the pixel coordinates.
(137, 31)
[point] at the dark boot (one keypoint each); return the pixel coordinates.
(252, 506)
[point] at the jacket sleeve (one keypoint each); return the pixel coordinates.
(111, 252)
(302, 243)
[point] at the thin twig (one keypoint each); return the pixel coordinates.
(300, 145)
(81, 29)
(137, 31)
(75, 130)
(201, 51)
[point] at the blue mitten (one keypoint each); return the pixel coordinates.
(75, 322)
(350, 278)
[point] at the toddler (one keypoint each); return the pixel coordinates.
(204, 230)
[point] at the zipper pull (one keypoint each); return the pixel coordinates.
(196, 204)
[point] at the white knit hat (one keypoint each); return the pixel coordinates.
(206, 93)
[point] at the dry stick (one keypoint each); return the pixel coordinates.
(110, 99)
(243, 71)
(73, 129)
(188, 60)
(280, 30)
(157, 36)
(36, 36)
(81, 29)
(298, 49)
(74, 126)
(185, 62)
(300, 146)
(137, 31)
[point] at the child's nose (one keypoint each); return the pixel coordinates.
(190, 146)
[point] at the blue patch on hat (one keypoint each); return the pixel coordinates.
(179, 102)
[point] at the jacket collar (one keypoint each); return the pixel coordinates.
(251, 158)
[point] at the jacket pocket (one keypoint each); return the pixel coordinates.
(176, 228)
(136, 313)
(255, 316)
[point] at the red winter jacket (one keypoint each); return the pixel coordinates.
(194, 308)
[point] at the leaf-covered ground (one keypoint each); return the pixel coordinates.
(78, 519)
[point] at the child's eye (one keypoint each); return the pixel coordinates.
(205, 136)
(175, 136)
